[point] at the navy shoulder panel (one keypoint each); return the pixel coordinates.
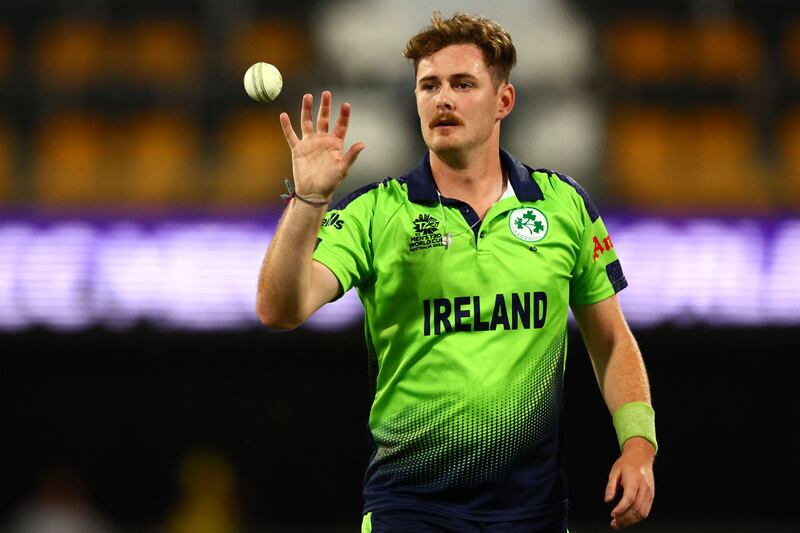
(594, 214)
(344, 202)
(615, 275)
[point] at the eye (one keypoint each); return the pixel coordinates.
(463, 85)
(428, 87)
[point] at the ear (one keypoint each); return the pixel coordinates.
(506, 96)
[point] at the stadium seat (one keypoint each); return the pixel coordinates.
(641, 50)
(159, 160)
(253, 160)
(726, 174)
(162, 52)
(285, 42)
(725, 51)
(708, 51)
(688, 161)
(70, 160)
(639, 154)
(69, 54)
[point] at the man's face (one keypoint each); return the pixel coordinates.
(457, 103)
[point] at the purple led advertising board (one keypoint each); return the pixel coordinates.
(201, 274)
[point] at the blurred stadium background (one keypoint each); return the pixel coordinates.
(139, 190)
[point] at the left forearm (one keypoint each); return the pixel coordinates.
(623, 380)
(615, 355)
(621, 374)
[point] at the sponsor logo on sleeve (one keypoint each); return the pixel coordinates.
(333, 220)
(601, 247)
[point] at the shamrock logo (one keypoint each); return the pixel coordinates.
(528, 224)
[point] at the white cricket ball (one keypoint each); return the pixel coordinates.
(263, 82)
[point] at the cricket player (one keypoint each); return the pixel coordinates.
(466, 267)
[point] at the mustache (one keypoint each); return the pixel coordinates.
(445, 117)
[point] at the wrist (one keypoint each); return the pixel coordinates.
(310, 200)
(306, 199)
(639, 445)
(635, 419)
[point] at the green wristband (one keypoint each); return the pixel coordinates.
(635, 419)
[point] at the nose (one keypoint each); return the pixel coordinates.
(444, 98)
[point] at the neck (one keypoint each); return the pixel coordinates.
(476, 180)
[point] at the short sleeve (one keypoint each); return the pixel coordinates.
(344, 244)
(598, 272)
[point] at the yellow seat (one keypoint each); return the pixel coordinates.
(254, 158)
(726, 172)
(164, 52)
(285, 42)
(725, 51)
(68, 54)
(788, 142)
(644, 50)
(639, 154)
(688, 161)
(70, 160)
(158, 155)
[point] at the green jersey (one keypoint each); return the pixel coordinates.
(466, 324)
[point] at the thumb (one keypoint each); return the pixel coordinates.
(352, 154)
(611, 486)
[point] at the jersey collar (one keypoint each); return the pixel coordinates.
(422, 188)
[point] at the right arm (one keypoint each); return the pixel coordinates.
(291, 285)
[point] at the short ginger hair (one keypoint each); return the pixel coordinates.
(493, 41)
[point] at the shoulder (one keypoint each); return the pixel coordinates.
(564, 186)
(389, 190)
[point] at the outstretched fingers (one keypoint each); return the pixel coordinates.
(306, 123)
(352, 154)
(323, 123)
(324, 114)
(288, 131)
(340, 130)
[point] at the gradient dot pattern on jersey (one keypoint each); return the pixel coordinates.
(473, 436)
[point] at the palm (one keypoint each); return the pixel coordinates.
(318, 162)
(318, 155)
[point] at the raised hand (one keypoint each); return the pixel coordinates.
(318, 162)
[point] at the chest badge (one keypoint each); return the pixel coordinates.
(426, 234)
(528, 224)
